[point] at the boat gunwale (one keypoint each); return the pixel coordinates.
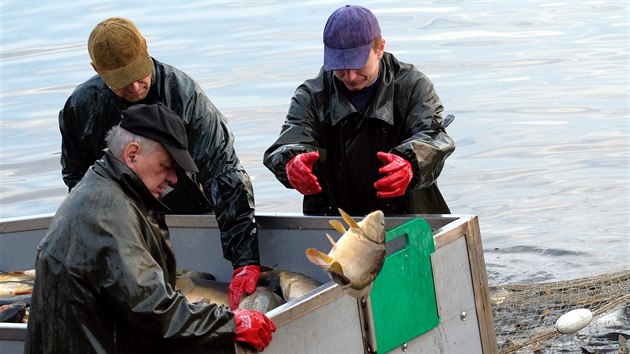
(264, 220)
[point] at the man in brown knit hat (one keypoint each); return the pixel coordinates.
(127, 75)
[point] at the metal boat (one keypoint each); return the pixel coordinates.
(432, 295)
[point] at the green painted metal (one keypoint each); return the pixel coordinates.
(403, 295)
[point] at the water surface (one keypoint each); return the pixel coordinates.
(539, 90)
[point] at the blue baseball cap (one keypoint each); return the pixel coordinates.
(348, 37)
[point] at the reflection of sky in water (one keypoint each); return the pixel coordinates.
(540, 92)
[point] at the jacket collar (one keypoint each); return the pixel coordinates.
(382, 107)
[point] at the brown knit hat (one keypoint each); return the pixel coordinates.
(119, 53)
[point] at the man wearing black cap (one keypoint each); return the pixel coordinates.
(106, 270)
(367, 133)
(127, 75)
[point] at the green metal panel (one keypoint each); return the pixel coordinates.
(403, 295)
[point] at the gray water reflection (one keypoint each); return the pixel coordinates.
(540, 91)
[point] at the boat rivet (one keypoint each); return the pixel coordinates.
(462, 316)
(404, 347)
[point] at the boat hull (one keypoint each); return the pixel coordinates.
(325, 320)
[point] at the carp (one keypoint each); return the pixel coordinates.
(198, 289)
(13, 288)
(358, 256)
(18, 275)
(25, 298)
(275, 287)
(290, 284)
(262, 300)
(13, 313)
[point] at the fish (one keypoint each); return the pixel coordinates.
(197, 289)
(18, 275)
(262, 300)
(11, 288)
(291, 285)
(275, 287)
(357, 258)
(13, 313)
(200, 289)
(26, 298)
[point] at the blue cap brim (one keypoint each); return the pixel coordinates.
(346, 58)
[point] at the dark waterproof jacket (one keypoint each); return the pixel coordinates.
(93, 109)
(106, 276)
(404, 118)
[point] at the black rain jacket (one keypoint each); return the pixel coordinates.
(106, 276)
(404, 118)
(93, 109)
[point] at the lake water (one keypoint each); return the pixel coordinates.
(539, 90)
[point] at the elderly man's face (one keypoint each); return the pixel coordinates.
(135, 91)
(156, 169)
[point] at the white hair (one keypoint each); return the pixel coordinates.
(118, 138)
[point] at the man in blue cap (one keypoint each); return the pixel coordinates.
(367, 133)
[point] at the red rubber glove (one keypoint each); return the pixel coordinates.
(398, 174)
(244, 279)
(300, 173)
(253, 328)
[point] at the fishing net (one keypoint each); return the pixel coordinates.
(525, 315)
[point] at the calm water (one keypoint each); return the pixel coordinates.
(539, 89)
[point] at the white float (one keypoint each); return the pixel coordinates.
(573, 321)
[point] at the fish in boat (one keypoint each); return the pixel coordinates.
(275, 287)
(290, 285)
(13, 313)
(358, 256)
(16, 285)
(25, 298)
(18, 275)
(204, 290)
(262, 300)
(198, 289)
(10, 288)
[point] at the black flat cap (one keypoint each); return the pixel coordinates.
(158, 122)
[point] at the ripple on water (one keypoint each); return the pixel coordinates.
(539, 90)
